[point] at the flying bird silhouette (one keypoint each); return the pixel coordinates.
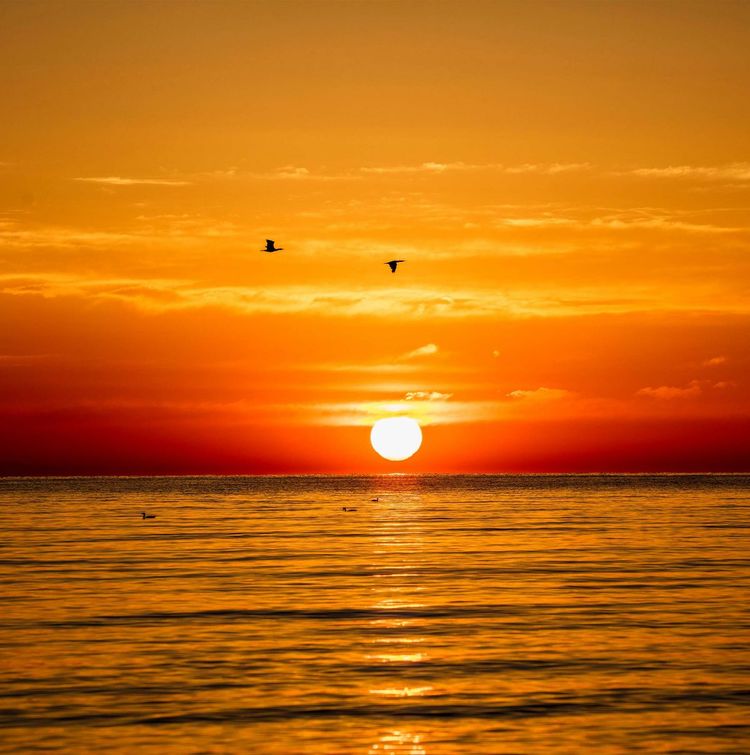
(270, 247)
(393, 264)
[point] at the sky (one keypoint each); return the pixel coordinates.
(568, 182)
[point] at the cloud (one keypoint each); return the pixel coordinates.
(658, 223)
(425, 412)
(714, 361)
(164, 231)
(428, 167)
(148, 294)
(427, 396)
(503, 227)
(540, 394)
(169, 294)
(544, 222)
(739, 171)
(159, 295)
(547, 169)
(120, 181)
(669, 392)
(454, 167)
(722, 384)
(290, 173)
(423, 351)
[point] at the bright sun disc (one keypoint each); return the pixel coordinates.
(396, 438)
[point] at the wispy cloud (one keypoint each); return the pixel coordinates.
(427, 396)
(739, 171)
(723, 384)
(635, 219)
(439, 412)
(547, 169)
(157, 295)
(425, 412)
(283, 173)
(292, 171)
(121, 181)
(161, 294)
(163, 230)
(630, 221)
(714, 361)
(433, 167)
(428, 167)
(502, 229)
(669, 392)
(540, 394)
(693, 389)
(730, 172)
(423, 351)
(63, 237)
(539, 222)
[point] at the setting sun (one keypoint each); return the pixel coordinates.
(396, 438)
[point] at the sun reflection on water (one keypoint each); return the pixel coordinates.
(397, 546)
(402, 691)
(398, 740)
(398, 657)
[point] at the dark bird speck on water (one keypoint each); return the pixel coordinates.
(270, 247)
(144, 515)
(393, 264)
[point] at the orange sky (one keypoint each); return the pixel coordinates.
(568, 182)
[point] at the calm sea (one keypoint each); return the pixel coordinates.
(454, 614)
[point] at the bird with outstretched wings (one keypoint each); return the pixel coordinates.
(270, 247)
(393, 264)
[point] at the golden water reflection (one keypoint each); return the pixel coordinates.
(467, 615)
(399, 578)
(401, 741)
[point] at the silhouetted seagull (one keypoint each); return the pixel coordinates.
(270, 247)
(144, 515)
(344, 508)
(375, 499)
(393, 264)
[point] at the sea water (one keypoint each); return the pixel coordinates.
(451, 614)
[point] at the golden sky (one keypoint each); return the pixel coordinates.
(569, 184)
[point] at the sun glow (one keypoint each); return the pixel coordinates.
(396, 438)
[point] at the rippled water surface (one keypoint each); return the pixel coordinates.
(481, 614)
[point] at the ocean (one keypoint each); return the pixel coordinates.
(453, 614)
